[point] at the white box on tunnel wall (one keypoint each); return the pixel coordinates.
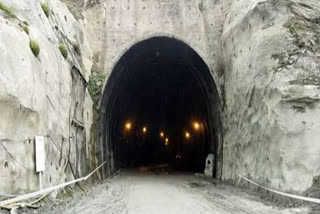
(40, 153)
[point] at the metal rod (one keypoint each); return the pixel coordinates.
(40, 180)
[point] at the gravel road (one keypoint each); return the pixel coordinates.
(145, 192)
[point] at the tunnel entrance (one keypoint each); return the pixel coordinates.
(160, 105)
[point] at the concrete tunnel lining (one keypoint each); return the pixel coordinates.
(158, 51)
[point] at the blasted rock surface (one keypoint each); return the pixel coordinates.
(271, 113)
(263, 56)
(44, 95)
(264, 59)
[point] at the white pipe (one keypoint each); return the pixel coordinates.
(313, 200)
(47, 190)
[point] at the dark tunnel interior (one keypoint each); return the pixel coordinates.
(160, 106)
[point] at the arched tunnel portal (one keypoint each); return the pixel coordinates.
(160, 105)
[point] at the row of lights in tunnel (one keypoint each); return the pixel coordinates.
(197, 126)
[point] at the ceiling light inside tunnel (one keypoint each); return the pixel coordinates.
(167, 142)
(196, 126)
(128, 126)
(161, 134)
(144, 129)
(187, 135)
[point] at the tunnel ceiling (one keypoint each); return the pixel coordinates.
(163, 84)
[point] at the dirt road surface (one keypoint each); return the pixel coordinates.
(134, 192)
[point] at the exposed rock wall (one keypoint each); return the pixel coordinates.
(263, 56)
(264, 59)
(271, 59)
(44, 95)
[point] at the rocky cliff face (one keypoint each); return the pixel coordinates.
(264, 58)
(43, 95)
(271, 59)
(263, 55)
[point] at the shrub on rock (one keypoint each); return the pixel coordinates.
(7, 10)
(45, 8)
(63, 50)
(25, 29)
(35, 48)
